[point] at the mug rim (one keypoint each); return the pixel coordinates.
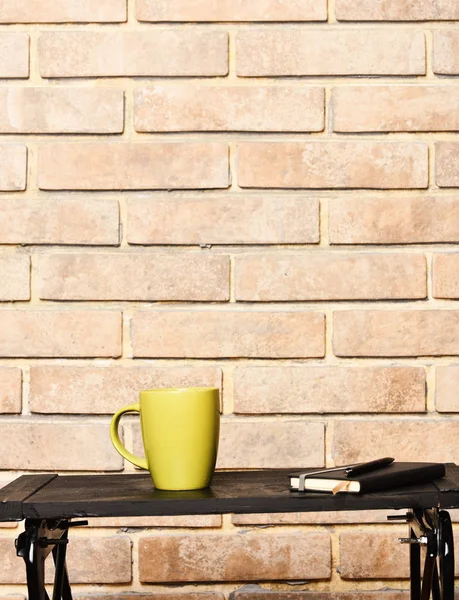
(178, 390)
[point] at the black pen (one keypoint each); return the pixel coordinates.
(373, 465)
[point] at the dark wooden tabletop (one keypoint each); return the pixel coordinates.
(65, 496)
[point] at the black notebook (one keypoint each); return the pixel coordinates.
(395, 475)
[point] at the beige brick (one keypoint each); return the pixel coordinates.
(15, 277)
(445, 275)
(103, 390)
(234, 557)
(404, 10)
(263, 594)
(249, 444)
(329, 389)
(64, 11)
(395, 108)
(232, 219)
(73, 446)
(396, 333)
(228, 334)
(454, 514)
(360, 440)
(163, 53)
(153, 276)
(59, 220)
(60, 333)
(291, 277)
(359, 164)
(235, 108)
(447, 389)
(446, 52)
(414, 220)
(231, 10)
(13, 166)
(14, 54)
(130, 166)
(277, 52)
(447, 164)
(312, 518)
(89, 560)
(193, 521)
(122, 595)
(100, 560)
(61, 110)
(12, 570)
(10, 390)
(374, 555)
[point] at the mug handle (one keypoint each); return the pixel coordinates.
(114, 435)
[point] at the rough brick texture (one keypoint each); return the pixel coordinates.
(235, 557)
(316, 518)
(402, 10)
(231, 10)
(13, 164)
(236, 219)
(57, 333)
(166, 595)
(12, 570)
(193, 521)
(90, 560)
(103, 166)
(206, 108)
(445, 272)
(287, 52)
(59, 220)
(395, 108)
(207, 334)
(10, 390)
(362, 164)
(65, 448)
(134, 277)
(170, 53)
(61, 110)
(284, 277)
(357, 441)
(328, 389)
(447, 164)
(15, 277)
(257, 195)
(374, 556)
(14, 54)
(447, 389)
(64, 11)
(268, 595)
(100, 560)
(445, 52)
(396, 333)
(418, 220)
(290, 444)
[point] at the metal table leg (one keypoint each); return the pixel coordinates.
(430, 537)
(39, 539)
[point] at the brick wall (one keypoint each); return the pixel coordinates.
(255, 194)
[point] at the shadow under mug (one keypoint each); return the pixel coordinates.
(180, 432)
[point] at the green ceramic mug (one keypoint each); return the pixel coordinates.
(180, 432)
